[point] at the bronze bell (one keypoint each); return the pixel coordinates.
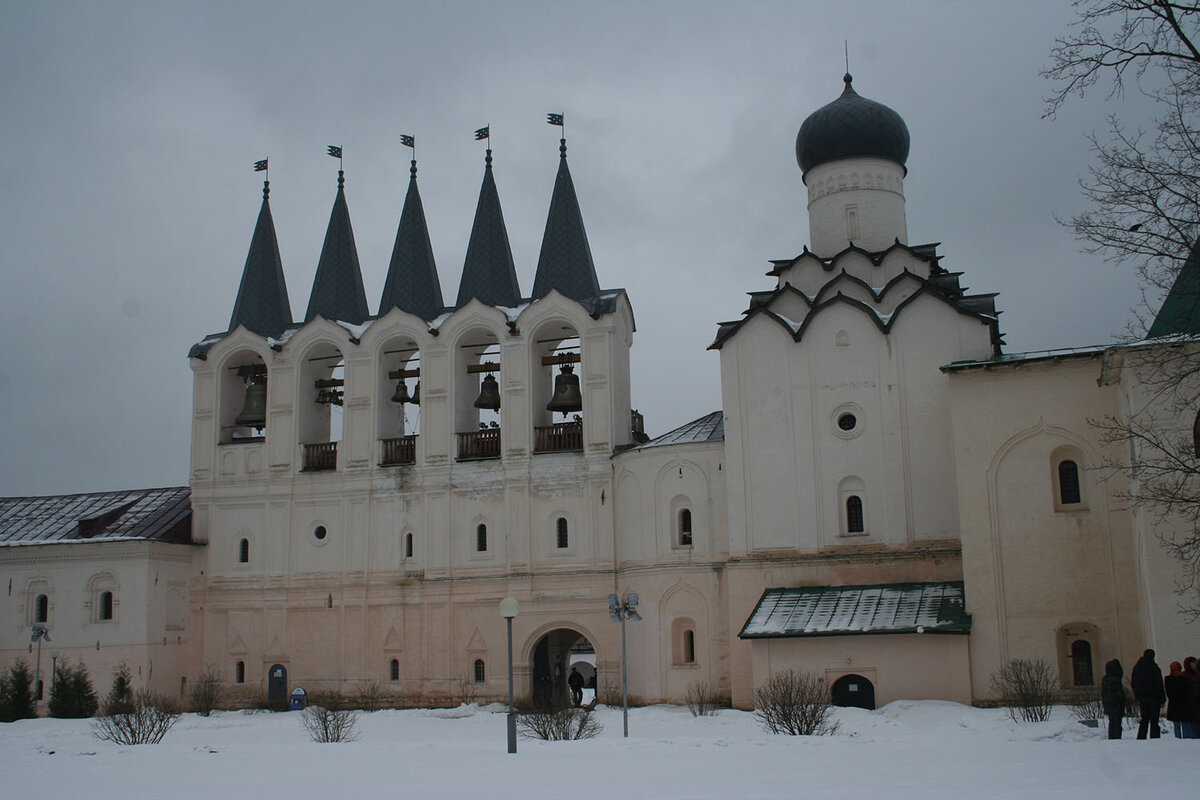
(401, 395)
(416, 395)
(489, 394)
(254, 413)
(566, 392)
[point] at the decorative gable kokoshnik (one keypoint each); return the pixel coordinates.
(858, 610)
(941, 284)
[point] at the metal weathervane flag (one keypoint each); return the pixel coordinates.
(334, 151)
(555, 119)
(408, 141)
(260, 166)
(483, 133)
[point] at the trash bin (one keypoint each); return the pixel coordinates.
(299, 699)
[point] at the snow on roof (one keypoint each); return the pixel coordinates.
(709, 428)
(841, 610)
(161, 514)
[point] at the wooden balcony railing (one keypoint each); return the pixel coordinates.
(401, 450)
(320, 456)
(557, 438)
(479, 444)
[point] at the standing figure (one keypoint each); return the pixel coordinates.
(1112, 695)
(1147, 683)
(1191, 670)
(575, 681)
(1179, 700)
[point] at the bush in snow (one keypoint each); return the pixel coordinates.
(558, 723)
(328, 718)
(1086, 704)
(16, 692)
(796, 703)
(702, 701)
(152, 716)
(71, 692)
(120, 696)
(205, 692)
(1027, 688)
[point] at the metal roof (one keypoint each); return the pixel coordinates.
(709, 428)
(488, 271)
(163, 515)
(262, 301)
(412, 281)
(855, 610)
(1033, 355)
(851, 126)
(337, 291)
(1180, 312)
(565, 262)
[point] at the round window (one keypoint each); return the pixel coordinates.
(847, 421)
(320, 533)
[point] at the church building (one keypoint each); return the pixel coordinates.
(885, 497)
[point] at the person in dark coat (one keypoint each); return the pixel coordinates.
(1112, 695)
(575, 681)
(1179, 700)
(1146, 680)
(1191, 669)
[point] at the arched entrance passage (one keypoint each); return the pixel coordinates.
(853, 691)
(550, 664)
(277, 687)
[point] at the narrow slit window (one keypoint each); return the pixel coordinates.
(239, 672)
(689, 647)
(685, 527)
(244, 551)
(480, 671)
(408, 545)
(1068, 483)
(41, 609)
(854, 514)
(561, 531)
(481, 539)
(394, 670)
(106, 606)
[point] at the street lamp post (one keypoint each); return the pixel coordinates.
(53, 670)
(619, 610)
(508, 610)
(37, 633)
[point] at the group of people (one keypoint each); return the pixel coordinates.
(1180, 691)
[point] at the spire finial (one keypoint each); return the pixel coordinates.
(557, 119)
(846, 43)
(412, 170)
(262, 166)
(410, 141)
(335, 151)
(487, 160)
(341, 179)
(266, 190)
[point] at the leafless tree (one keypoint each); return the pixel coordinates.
(558, 723)
(1143, 188)
(702, 701)
(205, 692)
(1027, 688)
(149, 720)
(328, 718)
(796, 703)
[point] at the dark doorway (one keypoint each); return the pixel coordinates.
(853, 691)
(552, 660)
(1081, 662)
(277, 688)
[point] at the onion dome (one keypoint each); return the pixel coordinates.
(850, 127)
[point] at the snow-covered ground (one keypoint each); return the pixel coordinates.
(919, 750)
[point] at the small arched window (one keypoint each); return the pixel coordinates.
(689, 647)
(239, 672)
(41, 609)
(481, 538)
(1068, 483)
(408, 545)
(561, 531)
(394, 670)
(479, 670)
(244, 551)
(106, 606)
(685, 527)
(854, 514)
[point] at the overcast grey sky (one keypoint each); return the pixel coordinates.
(129, 130)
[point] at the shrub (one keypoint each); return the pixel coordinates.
(147, 723)
(205, 692)
(71, 692)
(370, 696)
(1087, 705)
(556, 724)
(466, 690)
(327, 719)
(1027, 688)
(120, 695)
(795, 703)
(16, 692)
(702, 701)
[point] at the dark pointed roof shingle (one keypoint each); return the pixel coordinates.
(412, 281)
(337, 292)
(565, 262)
(262, 301)
(488, 272)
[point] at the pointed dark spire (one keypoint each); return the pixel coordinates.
(337, 292)
(412, 280)
(1180, 312)
(565, 262)
(488, 273)
(262, 300)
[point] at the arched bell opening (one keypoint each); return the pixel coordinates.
(398, 406)
(556, 389)
(319, 406)
(477, 395)
(550, 668)
(242, 398)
